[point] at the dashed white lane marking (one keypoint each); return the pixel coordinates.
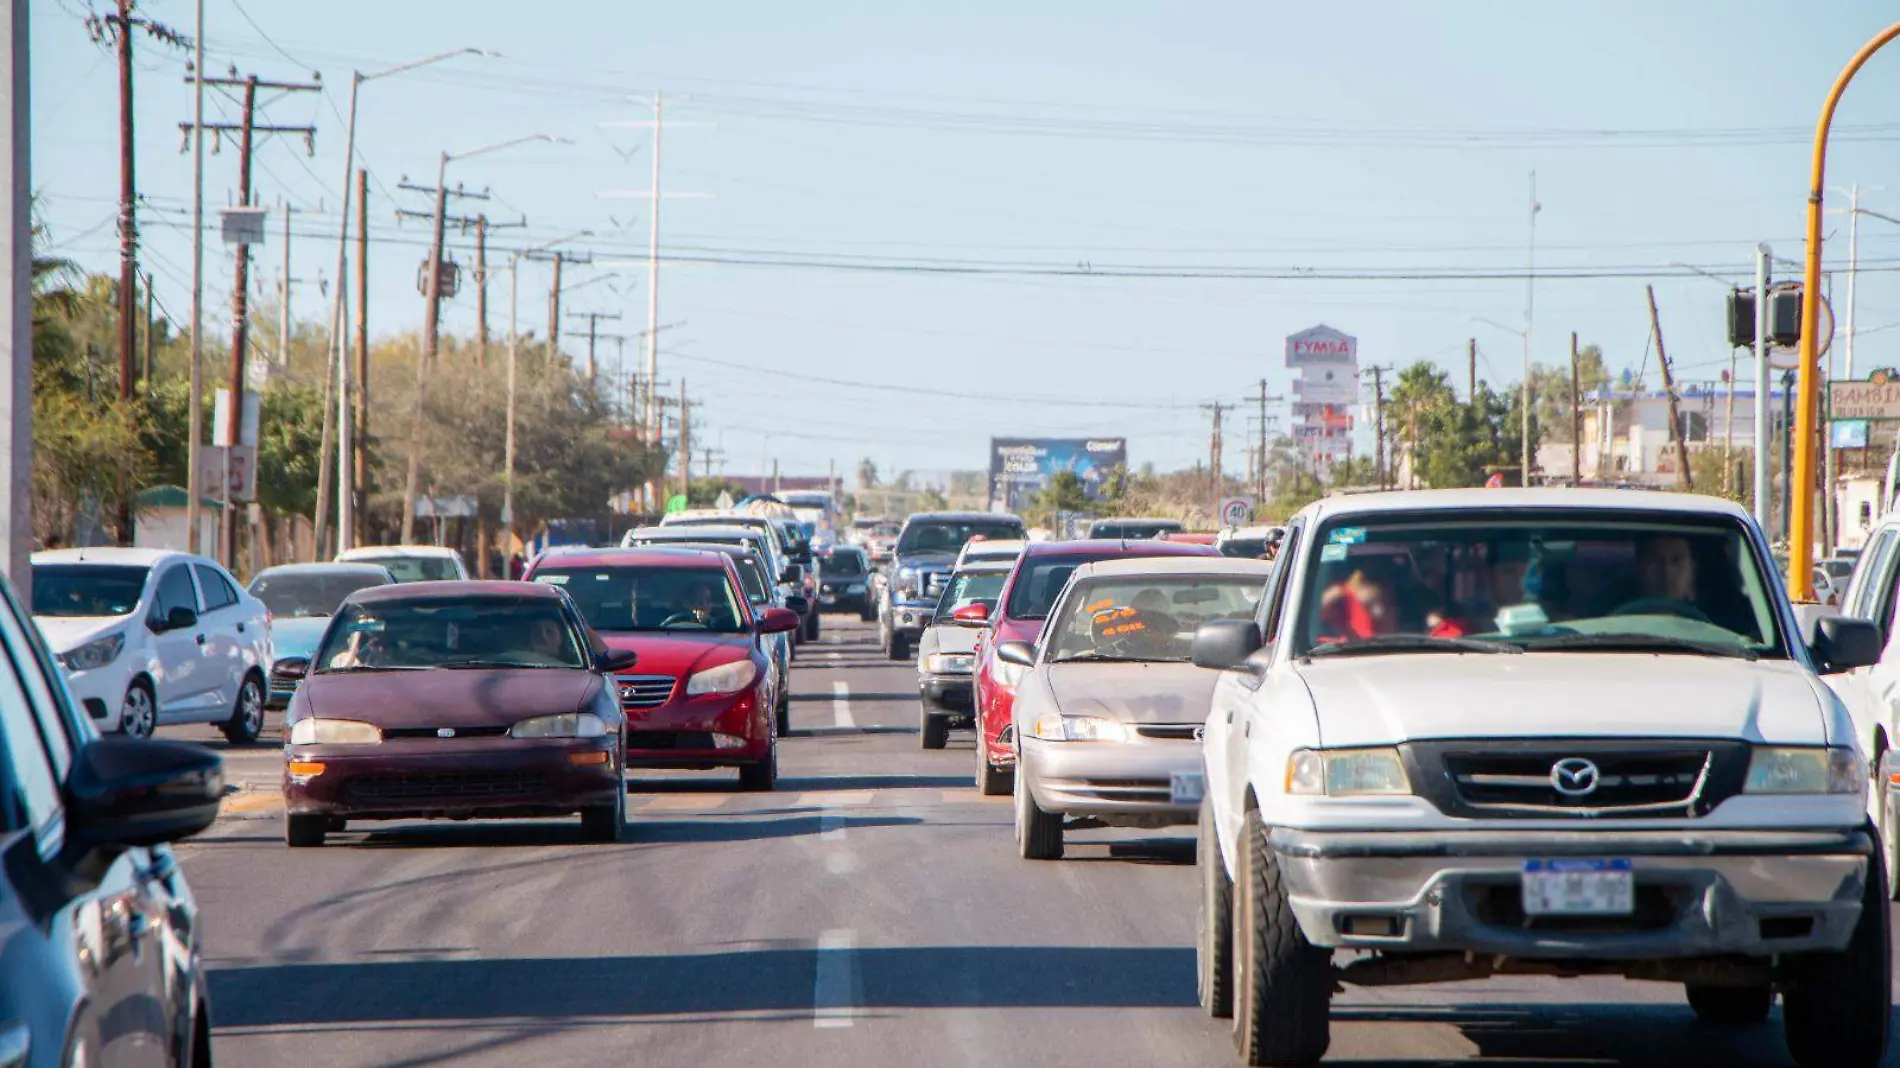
(832, 979)
(841, 704)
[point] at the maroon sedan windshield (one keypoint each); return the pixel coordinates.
(472, 632)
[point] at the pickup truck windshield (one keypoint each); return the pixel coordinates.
(950, 536)
(1567, 583)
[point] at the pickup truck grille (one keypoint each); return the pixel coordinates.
(1593, 778)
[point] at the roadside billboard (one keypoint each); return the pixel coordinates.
(1022, 467)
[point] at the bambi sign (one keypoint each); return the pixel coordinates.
(1874, 398)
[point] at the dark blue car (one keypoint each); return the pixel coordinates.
(99, 948)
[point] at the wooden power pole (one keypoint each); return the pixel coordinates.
(359, 417)
(1576, 418)
(1669, 389)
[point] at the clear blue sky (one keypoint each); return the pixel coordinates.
(1223, 136)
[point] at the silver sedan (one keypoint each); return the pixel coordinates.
(1107, 720)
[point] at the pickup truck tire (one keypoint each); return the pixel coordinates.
(867, 612)
(811, 626)
(1038, 833)
(1835, 1009)
(934, 732)
(1214, 946)
(1731, 1006)
(900, 646)
(1283, 985)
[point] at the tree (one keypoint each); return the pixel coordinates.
(867, 473)
(1064, 493)
(1550, 390)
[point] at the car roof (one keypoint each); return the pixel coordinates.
(1008, 545)
(986, 567)
(365, 551)
(1111, 519)
(322, 568)
(1256, 531)
(1531, 499)
(1118, 547)
(698, 532)
(442, 591)
(1199, 565)
(962, 517)
(114, 554)
(633, 556)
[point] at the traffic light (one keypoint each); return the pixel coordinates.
(1784, 317)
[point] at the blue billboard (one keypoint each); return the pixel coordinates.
(1020, 468)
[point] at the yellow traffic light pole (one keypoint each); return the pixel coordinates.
(1801, 479)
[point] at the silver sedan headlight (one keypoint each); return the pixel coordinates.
(950, 663)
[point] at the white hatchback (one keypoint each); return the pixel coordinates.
(149, 637)
(410, 563)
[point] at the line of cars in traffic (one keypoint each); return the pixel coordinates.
(1461, 734)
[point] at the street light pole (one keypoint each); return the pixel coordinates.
(514, 355)
(1801, 480)
(339, 312)
(1530, 294)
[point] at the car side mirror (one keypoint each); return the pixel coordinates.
(974, 614)
(793, 575)
(126, 792)
(798, 603)
(1022, 654)
(778, 621)
(1226, 645)
(178, 618)
(1843, 644)
(290, 668)
(617, 660)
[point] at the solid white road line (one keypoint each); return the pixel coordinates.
(832, 979)
(841, 704)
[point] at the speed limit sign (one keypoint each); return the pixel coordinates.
(1235, 511)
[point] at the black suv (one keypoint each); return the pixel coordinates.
(920, 567)
(844, 582)
(99, 948)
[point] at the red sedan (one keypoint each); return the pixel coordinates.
(1028, 594)
(704, 691)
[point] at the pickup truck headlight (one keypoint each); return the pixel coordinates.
(1346, 773)
(905, 581)
(564, 725)
(96, 653)
(314, 731)
(726, 678)
(949, 663)
(1051, 727)
(1807, 770)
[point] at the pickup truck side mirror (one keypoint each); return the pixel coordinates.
(1226, 645)
(799, 603)
(1843, 644)
(794, 575)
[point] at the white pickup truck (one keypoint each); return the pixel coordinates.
(1544, 732)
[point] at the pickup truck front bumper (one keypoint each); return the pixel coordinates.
(1698, 893)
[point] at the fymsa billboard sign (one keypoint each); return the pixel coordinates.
(1320, 345)
(1022, 467)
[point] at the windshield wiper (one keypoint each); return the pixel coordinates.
(1645, 643)
(454, 665)
(368, 667)
(1408, 643)
(1097, 654)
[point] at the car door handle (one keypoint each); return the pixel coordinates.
(240, 628)
(201, 639)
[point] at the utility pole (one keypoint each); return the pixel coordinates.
(1471, 370)
(554, 310)
(359, 418)
(1576, 417)
(431, 324)
(593, 336)
(481, 300)
(1378, 423)
(16, 316)
(653, 270)
(240, 328)
(194, 487)
(1214, 451)
(246, 131)
(1669, 389)
(686, 442)
(1764, 491)
(283, 297)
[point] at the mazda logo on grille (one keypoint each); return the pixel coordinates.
(1575, 777)
(1200, 733)
(445, 732)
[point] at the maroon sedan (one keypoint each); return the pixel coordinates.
(455, 700)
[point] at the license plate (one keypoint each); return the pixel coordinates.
(1186, 787)
(1577, 887)
(828, 599)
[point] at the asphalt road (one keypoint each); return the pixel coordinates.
(870, 912)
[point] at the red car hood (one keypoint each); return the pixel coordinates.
(441, 697)
(679, 653)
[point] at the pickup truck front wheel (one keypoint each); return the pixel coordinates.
(1836, 1005)
(1214, 948)
(1283, 984)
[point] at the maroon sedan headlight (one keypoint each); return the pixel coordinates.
(726, 678)
(314, 731)
(565, 725)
